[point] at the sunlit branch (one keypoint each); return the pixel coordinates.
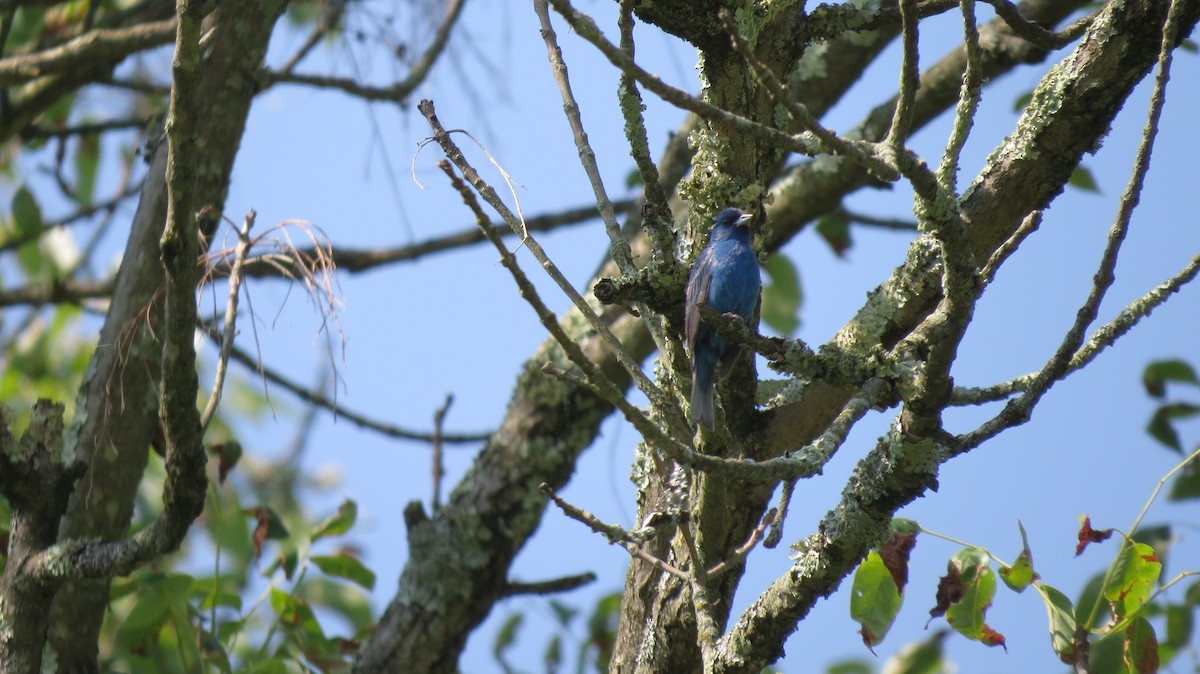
(1018, 411)
(657, 397)
(618, 245)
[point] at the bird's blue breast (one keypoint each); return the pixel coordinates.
(735, 281)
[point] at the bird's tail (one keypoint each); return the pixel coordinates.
(702, 399)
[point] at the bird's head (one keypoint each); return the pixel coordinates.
(731, 223)
(732, 217)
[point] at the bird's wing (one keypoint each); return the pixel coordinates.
(697, 294)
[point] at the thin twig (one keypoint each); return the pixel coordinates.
(735, 560)
(1018, 411)
(587, 29)
(438, 469)
(398, 92)
(910, 75)
(326, 23)
(1046, 39)
(618, 245)
(1028, 226)
(544, 587)
(647, 387)
(1100, 340)
(833, 143)
(968, 101)
(614, 534)
(656, 211)
(875, 221)
(708, 629)
(231, 307)
(340, 412)
(785, 501)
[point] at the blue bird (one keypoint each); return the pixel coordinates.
(725, 278)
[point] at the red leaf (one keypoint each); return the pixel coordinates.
(260, 530)
(895, 554)
(1089, 535)
(950, 589)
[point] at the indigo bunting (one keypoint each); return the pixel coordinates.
(725, 278)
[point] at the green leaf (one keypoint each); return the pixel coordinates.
(874, 599)
(633, 178)
(346, 599)
(1160, 427)
(269, 666)
(1023, 100)
(26, 213)
(1018, 576)
(345, 566)
(1141, 647)
(338, 523)
(1082, 178)
(922, 657)
(87, 160)
(563, 614)
(854, 666)
(836, 231)
(1158, 373)
(553, 656)
(507, 635)
(978, 587)
(1189, 46)
(1134, 576)
(1180, 624)
(602, 630)
(1061, 618)
(1186, 485)
(782, 296)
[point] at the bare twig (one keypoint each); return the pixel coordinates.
(438, 469)
(656, 212)
(1046, 39)
(785, 501)
(398, 92)
(1018, 411)
(831, 141)
(910, 74)
(1028, 226)
(681, 99)
(340, 412)
(968, 101)
(739, 555)
(1100, 340)
(231, 307)
(647, 387)
(875, 221)
(555, 586)
(325, 24)
(615, 534)
(83, 129)
(618, 246)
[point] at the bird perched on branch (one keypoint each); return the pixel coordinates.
(725, 278)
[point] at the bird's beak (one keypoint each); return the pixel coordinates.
(745, 219)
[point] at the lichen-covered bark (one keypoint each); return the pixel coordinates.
(36, 477)
(657, 636)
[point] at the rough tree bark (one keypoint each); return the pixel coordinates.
(117, 409)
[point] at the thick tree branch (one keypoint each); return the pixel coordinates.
(115, 417)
